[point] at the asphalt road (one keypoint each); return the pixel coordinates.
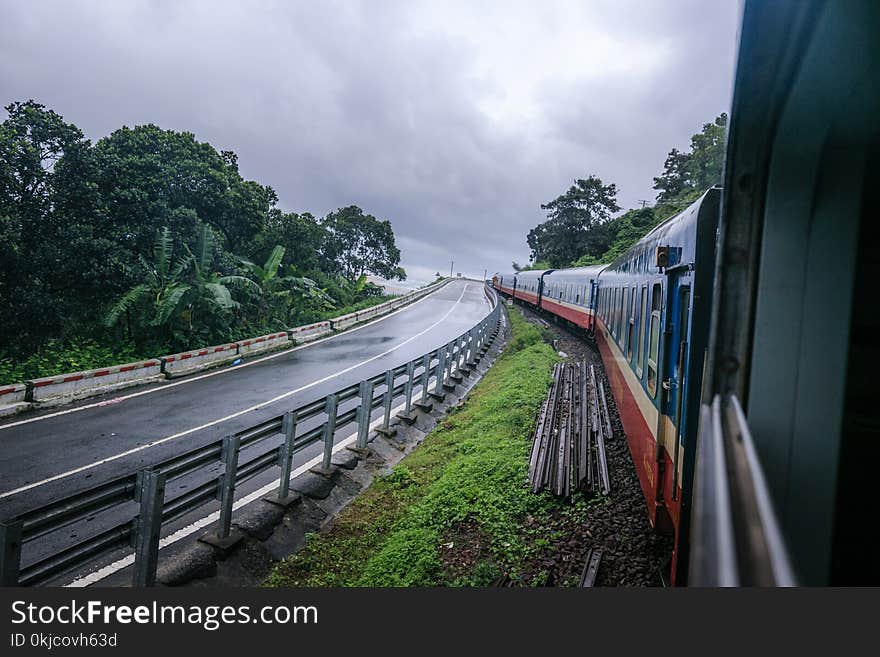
(47, 456)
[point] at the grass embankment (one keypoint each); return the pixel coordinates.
(456, 511)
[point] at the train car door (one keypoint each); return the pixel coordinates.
(674, 358)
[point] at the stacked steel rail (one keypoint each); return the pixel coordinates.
(568, 443)
(140, 496)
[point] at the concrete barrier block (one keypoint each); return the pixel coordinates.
(345, 321)
(65, 387)
(13, 398)
(188, 362)
(263, 343)
(309, 332)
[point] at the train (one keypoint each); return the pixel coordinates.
(649, 311)
(740, 336)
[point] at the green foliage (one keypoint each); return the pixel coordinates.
(470, 469)
(575, 222)
(686, 174)
(573, 237)
(132, 239)
(58, 358)
(359, 244)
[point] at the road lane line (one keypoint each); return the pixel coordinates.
(226, 370)
(244, 411)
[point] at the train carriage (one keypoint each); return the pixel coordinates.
(529, 286)
(652, 328)
(571, 294)
(505, 283)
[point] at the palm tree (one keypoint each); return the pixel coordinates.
(280, 293)
(164, 286)
(189, 291)
(209, 297)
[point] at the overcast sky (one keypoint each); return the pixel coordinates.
(455, 121)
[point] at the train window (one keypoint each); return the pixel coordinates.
(654, 342)
(613, 311)
(643, 310)
(624, 320)
(630, 325)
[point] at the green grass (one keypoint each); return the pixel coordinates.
(472, 467)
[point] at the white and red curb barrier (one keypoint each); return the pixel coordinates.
(188, 362)
(92, 382)
(310, 331)
(263, 343)
(63, 388)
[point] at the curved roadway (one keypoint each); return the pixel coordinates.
(50, 455)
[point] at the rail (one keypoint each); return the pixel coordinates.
(141, 528)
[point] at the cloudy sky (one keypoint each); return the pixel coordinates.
(453, 120)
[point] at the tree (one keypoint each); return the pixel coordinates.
(184, 300)
(151, 178)
(155, 301)
(686, 175)
(280, 295)
(246, 209)
(47, 206)
(301, 236)
(574, 222)
(356, 244)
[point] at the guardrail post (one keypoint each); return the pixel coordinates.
(225, 538)
(440, 376)
(471, 362)
(456, 360)
(450, 383)
(386, 429)
(330, 407)
(407, 415)
(285, 460)
(10, 552)
(365, 392)
(150, 493)
(423, 403)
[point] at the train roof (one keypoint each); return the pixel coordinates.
(590, 271)
(533, 273)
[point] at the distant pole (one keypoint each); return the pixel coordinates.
(451, 265)
(643, 202)
(485, 271)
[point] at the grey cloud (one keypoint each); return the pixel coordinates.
(384, 104)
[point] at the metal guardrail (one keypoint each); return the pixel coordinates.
(146, 487)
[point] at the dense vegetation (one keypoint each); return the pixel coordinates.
(151, 241)
(470, 472)
(580, 230)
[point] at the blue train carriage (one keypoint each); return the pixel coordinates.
(529, 286)
(652, 327)
(505, 283)
(571, 294)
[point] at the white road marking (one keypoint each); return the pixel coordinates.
(231, 416)
(228, 370)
